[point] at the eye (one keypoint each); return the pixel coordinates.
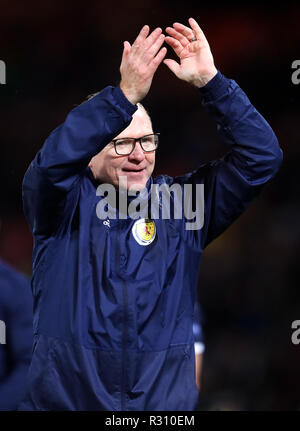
(124, 146)
(148, 143)
(124, 142)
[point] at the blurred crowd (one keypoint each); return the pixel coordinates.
(57, 53)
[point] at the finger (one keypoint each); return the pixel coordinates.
(196, 29)
(141, 36)
(175, 44)
(186, 31)
(173, 66)
(182, 39)
(158, 58)
(156, 46)
(152, 38)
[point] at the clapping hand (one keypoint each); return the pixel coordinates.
(139, 63)
(196, 64)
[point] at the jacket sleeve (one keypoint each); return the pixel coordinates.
(232, 182)
(58, 166)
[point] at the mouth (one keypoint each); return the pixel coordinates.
(134, 171)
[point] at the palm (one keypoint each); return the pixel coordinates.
(194, 55)
(190, 51)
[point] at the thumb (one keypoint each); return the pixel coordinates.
(126, 49)
(173, 66)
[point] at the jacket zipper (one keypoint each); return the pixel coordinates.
(124, 329)
(123, 386)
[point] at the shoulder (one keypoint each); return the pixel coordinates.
(201, 173)
(163, 179)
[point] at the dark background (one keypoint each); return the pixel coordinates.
(58, 52)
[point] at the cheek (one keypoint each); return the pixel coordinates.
(116, 165)
(108, 168)
(115, 168)
(111, 162)
(151, 160)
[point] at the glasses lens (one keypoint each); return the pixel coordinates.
(124, 146)
(150, 142)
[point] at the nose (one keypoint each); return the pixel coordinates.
(137, 154)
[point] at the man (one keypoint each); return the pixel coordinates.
(114, 297)
(15, 335)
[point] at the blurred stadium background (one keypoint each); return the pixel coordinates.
(58, 52)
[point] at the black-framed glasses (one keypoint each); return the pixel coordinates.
(125, 146)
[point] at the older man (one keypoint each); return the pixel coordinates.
(114, 298)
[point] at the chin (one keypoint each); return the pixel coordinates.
(136, 186)
(132, 182)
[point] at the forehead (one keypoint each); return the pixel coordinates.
(139, 126)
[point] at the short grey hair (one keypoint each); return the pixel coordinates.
(139, 105)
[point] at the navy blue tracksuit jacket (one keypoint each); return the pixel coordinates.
(15, 349)
(112, 318)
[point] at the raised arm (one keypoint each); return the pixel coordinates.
(232, 182)
(57, 167)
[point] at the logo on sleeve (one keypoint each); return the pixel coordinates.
(144, 231)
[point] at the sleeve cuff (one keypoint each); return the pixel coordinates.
(123, 102)
(215, 88)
